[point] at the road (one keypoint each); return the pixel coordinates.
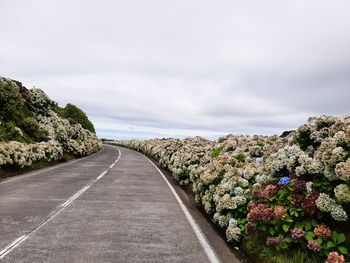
(113, 206)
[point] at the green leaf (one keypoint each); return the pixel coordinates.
(284, 245)
(309, 235)
(298, 225)
(288, 239)
(319, 241)
(308, 226)
(289, 220)
(334, 236)
(330, 244)
(343, 250)
(215, 153)
(340, 238)
(285, 228)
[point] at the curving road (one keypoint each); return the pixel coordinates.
(113, 206)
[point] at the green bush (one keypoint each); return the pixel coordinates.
(31, 128)
(17, 122)
(75, 116)
(10, 132)
(215, 153)
(11, 101)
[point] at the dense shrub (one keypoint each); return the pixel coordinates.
(32, 128)
(31, 131)
(9, 131)
(11, 101)
(16, 154)
(40, 103)
(77, 116)
(310, 181)
(74, 139)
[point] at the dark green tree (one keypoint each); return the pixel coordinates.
(76, 115)
(11, 101)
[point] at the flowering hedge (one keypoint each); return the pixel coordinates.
(16, 154)
(292, 192)
(74, 139)
(35, 132)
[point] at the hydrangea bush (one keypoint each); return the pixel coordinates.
(310, 178)
(292, 192)
(16, 154)
(50, 136)
(74, 139)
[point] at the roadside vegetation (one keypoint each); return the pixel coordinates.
(279, 199)
(75, 116)
(35, 131)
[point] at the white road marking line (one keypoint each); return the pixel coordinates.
(120, 154)
(199, 234)
(21, 239)
(4, 252)
(75, 196)
(101, 175)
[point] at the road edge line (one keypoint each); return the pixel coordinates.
(209, 251)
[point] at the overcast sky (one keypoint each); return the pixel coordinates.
(158, 68)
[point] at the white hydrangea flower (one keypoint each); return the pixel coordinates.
(325, 203)
(342, 171)
(262, 178)
(233, 232)
(238, 191)
(342, 193)
(338, 213)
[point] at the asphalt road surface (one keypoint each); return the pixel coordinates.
(113, 206)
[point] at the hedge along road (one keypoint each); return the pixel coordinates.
(113, 206)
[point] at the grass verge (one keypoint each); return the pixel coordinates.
(258, 252)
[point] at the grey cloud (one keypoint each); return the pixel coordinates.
(204, 66)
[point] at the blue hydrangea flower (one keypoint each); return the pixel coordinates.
(284, 181)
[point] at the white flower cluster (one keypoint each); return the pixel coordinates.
(41, 103)
(20, 154)
(223, 184)
(222, 220)
(233, 232)
(319, 150)
(74, 139)
(63, 137)
(342, 193)
(329, 205)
